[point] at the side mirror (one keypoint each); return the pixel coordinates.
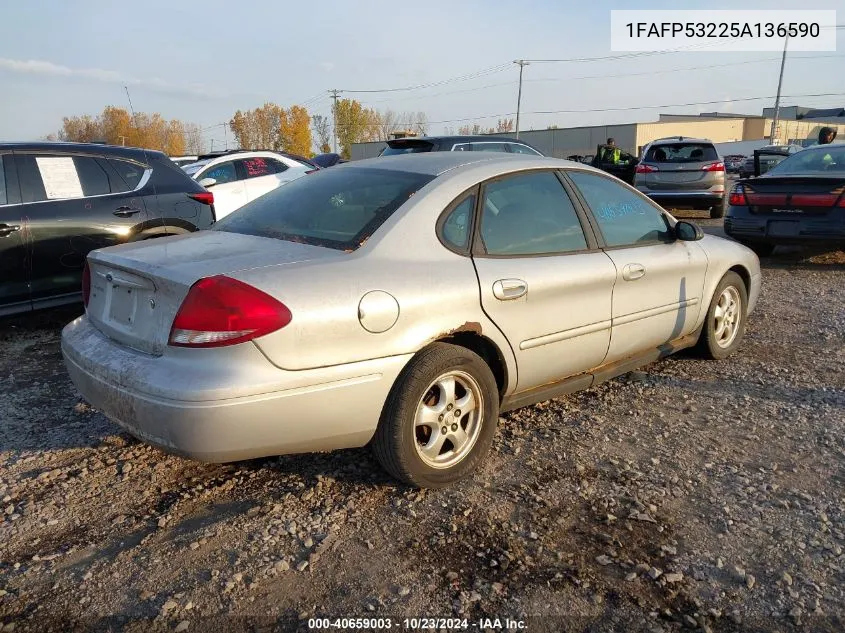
(688, 231)
(208, 182)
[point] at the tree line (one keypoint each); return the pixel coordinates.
(269, 126)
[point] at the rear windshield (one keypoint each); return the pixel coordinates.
(824, 160)
(414, 147)
(681, 153)
(337, 208)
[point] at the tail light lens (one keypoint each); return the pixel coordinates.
(206, 197)
(86, 285)
(737, 197)
(720, 166)
(222, 311)
(645, 169)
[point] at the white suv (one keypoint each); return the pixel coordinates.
(240, 177)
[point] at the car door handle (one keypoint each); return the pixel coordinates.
(125, 212)
(507, 289)
(7, 229)
(632, 272)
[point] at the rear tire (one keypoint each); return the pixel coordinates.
(761, 248)
(410, 442)
(718, 211)
(724, 326)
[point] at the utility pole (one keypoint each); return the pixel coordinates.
(777, 98)
(225, 134)
(521, 63)
(334, 93)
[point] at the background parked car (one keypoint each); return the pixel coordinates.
(58, 201)
(238, 177)
(308, 320)
(184, 160)
(415, 145)
(763, 159)
(681, 172)
(801, 200)
(733, 163)
(328, 160)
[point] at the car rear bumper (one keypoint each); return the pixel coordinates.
(296, 411)
(694, 199)
(740, 224)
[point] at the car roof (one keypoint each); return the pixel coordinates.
(101, 149)
(436, 163)
(460, 139)
(674, 140)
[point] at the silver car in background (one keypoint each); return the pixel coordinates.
(683, 173)
(400, 301)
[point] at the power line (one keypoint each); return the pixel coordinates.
(467, 77)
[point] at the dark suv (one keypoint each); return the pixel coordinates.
(58, 201)
(479, 143)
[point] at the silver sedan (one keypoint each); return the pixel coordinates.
(403, 302)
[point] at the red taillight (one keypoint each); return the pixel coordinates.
(222, 311)
(737, 197)
(814, 199)
(645, 169)
(206, 197)
(86, 285)
(720, 166)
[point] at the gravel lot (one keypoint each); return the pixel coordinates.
(690, 495)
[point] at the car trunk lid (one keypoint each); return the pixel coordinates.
(679, 176)
(794, 196)
(137, 289)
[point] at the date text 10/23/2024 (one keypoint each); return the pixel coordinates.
(417, 624)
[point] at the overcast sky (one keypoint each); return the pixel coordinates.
(202, 61)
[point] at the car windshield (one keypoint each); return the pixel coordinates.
(819, 160)
(681, 153)
(336, 208)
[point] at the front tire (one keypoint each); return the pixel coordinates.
(439, 419)
(724, 326)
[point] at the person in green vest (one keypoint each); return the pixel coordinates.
(610, 153)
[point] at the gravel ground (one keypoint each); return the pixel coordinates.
(689, 495)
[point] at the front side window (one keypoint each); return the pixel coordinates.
(625, 217)
(335, 208)
(462, 147)
(456, 226)
(529, 214)
(29, 176)
(222, 173)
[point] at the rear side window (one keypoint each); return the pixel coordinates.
(529, 214)
(462, 147)
(335, 208)
(92, 177)
(131, 173)
(278, 166)
(456, 226)
(258, 166)
(518, 148)
(3, 197)
(681, 153)
(828, 159)
(625, 218)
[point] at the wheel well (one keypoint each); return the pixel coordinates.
(744, 275)
(488, 351)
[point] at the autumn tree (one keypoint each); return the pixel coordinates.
(117, 126)
(273, 127)
(322, 130)
(504, 125)
(355, 124)
(295, 131)
(471, 130)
